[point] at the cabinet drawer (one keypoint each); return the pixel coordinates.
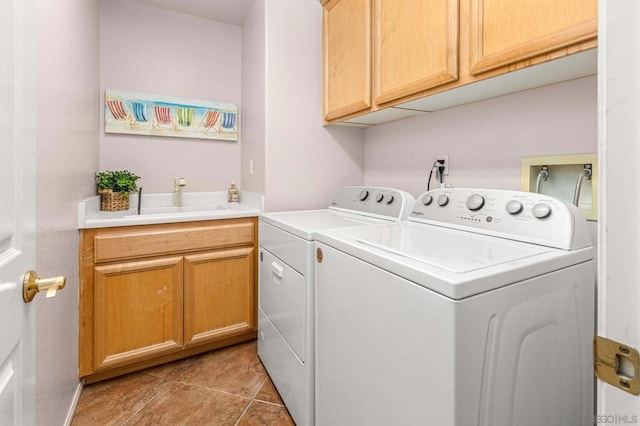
(160, 240)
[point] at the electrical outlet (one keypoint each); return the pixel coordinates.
(446, 163)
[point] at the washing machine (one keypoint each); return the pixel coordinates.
(477, 310)
(286, 284)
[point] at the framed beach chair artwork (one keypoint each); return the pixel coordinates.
(155, 115)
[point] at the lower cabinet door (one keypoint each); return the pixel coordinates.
(220, 295)
(138, 311)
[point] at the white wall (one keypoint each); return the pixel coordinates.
(67, 157)
(484, 140)
(305, 163)
(152, 50)
(254, 94)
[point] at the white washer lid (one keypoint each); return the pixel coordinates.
(458, 252)
(454, 263)
(305, 223)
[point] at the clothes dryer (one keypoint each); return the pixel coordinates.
(286, 284)
(478, 310)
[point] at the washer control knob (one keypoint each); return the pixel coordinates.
(427, 199)
(389, 198)
(379, 197)
(541, 210)
(364, 194)
(475, 202)
(443, 200)
(514, 207)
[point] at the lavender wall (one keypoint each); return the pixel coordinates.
(306, 163)
(254, 94)
(152, 50)
(484, 140)
(67, 158)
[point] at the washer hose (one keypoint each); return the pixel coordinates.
(543, 174)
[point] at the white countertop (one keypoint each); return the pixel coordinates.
(159, 208)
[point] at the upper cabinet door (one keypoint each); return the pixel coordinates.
(415, 46)
(507, 31)
(346, 57)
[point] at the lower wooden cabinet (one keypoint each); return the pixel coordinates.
(219, 299)
(137, 311)
(155, 293)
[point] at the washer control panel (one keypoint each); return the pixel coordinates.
(374, 201)
(517, 215)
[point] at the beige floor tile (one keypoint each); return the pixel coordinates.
(182, 404)
(236, 370)
(172, 370)
(113, 401)
(263, 413)
(269, 393)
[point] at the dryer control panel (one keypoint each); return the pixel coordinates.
(516, 215)
(386, 203)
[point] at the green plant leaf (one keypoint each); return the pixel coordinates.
(118, 181)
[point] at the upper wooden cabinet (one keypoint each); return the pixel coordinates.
(381, 53)
(505, 31)
(415, 46)
(346, 45)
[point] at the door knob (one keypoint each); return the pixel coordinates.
(32, 284)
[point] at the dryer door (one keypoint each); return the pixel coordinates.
(283, 299)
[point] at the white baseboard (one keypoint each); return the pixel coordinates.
(74, 404)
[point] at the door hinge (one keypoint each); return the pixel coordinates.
(617, 364)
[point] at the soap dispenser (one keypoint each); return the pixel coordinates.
(234, 194)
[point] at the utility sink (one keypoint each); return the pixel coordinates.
(187, 208)
(182, 209)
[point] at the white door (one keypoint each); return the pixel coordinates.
(17, 210)
(619, 230)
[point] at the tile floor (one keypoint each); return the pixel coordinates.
(228, 386)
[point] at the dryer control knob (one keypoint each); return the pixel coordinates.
(475, 202)
(389, 198)
(427, 199)
(380, 197)
(364, 194)
(443, 200)
(541, 210)
(514, 207)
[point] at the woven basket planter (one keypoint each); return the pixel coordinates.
(113, 201)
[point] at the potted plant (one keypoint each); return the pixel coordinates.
(114, 188)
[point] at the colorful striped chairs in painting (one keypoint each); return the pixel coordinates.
(163, 117)
(118, 110)
(228, 120)
(212, 118)
(185, 116)
(209, 121)
(140, 112)
(155, 117)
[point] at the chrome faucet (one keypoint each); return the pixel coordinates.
(178, 184)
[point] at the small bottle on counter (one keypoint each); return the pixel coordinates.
(234, 194)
